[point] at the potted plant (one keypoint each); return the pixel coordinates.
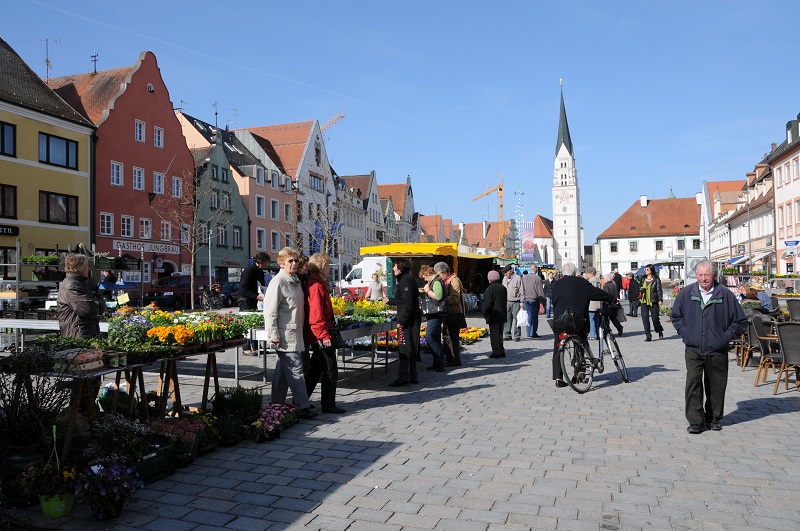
(54, 485)
(210, 437)
(184, 435)
(107, 488)
(118, 440)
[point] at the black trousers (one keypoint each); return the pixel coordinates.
(496, 338)
(558, 373)
(409, 352)
(651, 312)
(323, 368)
(455, 342)
(707, 374)
(248, 306)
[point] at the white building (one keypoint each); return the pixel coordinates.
(567, 229)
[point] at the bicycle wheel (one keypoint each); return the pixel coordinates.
(616, 355)
(576, 364)
(204, 302)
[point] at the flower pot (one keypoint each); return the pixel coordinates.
(108, 513)
(17, 459)
(56, 506)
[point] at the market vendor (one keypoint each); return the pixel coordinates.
(78, 306)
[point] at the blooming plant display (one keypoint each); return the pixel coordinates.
(270, 420)
(128, 328)
(183, 434)
(172, 334)
(105, 487)
(49, 480)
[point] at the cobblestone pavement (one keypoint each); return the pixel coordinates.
(494, 445)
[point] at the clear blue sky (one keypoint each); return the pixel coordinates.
(451, 93)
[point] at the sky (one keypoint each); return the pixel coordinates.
(659, 95)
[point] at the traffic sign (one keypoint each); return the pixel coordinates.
(789, 243)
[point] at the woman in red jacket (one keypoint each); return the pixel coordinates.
(319, 318)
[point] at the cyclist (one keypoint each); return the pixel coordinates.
(573, 292)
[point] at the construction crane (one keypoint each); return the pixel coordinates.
(501, 233)
(331, 122)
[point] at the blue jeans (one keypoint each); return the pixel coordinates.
(532, 307)
(433, 337)
(594, 325)
(549, 310)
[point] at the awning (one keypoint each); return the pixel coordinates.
(760, 257)
(735, 260)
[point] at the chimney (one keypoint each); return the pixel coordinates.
(774, 145)
(462, 240)
(485, 228)
(643, 201)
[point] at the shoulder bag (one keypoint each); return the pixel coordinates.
(570, 322)
(336, 337)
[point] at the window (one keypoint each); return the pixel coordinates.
(158, 137)
(177, 187)
(299, 211)
(634, 246)
(214, 199)
(106, 224)
(274, 209)
(8, 140)
(215, 172)
(260, 176)
(158, 183)
(138, 131)
(225, 176)
(614, 265)
(287, 212)
(58, 151)
(237, 237)
(116, 174)
(288, 239)
(779, 176)
(261, 239)
(695, 243)
(299, 242)
(226, 201)
(145, 228)
(8, 202)
(58, 208)
(316, 183)
(318, 154)
(780, 217)
(203, 233)
(126, 226)
(138, 178)
(222, 235)
(261, 206)
(796, 212)
(634, 266)
(186, 234)
(274, 180)
(310, 211)
(659, 245)
(275, 241)
(166, 231)
(145, 273)
(681, 244)
(613, 247)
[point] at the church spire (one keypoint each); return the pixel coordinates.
(563, 128)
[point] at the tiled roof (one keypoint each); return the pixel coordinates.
(240, 158)
(358, 182)
(200, 155)
(671, 214)
(91, 94)
(725, 186)
(431, 225)
(19, 85)
(289, 142)
(269, 149)
(397, 193)
(474, 234)
(754, 204)
(448, 228)
(542, 227)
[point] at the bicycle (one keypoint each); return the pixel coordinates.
(578, 362)
(210, 298)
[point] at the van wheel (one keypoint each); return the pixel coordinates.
(345, 292)
(177, 304)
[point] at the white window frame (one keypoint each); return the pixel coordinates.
(126, 226)
(287, 212)
(261, 239)
(259, 176)
(145, 228)
(177, 187)
(226, 201)
(106, 224)
(222, 235)
(158, 137)
(186, 234)
(215, 199)
(138, 178)
(274, 209)
(139, 131)
(166, 231)
(261, 206)
(237, 237)
(275, 240)
(117, 173)
(158, 183)
(225, 175)
(274, 180)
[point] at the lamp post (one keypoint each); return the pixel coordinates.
(210, 235)
(749, 238)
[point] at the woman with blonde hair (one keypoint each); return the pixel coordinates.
(284, 315)
(319, 321)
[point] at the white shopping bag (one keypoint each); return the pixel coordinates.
(522, 316)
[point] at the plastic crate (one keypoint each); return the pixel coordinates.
(158, 465)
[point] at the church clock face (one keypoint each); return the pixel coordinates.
(563, 197)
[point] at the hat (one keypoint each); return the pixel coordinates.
(756, 286)
(493, 276)
(507, 268)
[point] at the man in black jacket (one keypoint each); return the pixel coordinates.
(249, 294)
(494, 311)
(573, 293)
(409, 316)
(633, 296)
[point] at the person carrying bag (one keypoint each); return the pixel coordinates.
(434, 308)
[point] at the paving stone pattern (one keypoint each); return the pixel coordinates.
(494, 445)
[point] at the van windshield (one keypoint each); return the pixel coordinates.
(355, 274)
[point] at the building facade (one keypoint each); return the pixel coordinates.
(567, 228)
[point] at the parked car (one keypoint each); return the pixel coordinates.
(174, 292)
(229, 292)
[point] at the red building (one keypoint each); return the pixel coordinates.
(142, 164)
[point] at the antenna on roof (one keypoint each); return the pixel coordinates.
(183, 104)
(216, 126)
(48, 65)
(94, 60)
(235, 117)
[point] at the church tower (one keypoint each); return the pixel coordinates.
(567, 230)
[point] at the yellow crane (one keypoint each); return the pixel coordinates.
(501, 233)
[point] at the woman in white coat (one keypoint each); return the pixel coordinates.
(284, 311)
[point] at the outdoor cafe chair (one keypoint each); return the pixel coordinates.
(789, 339)
(768, 345)
(794, 309)
(748, 346)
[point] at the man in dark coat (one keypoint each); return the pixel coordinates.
(495, 312)
(249, 294)
(633, 296)
(409, 316)
(573, 293)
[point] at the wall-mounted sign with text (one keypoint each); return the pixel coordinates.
(148, 247)
(9, 230)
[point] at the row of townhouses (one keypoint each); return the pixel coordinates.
(104, 160)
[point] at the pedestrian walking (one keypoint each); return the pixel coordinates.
(406, 297)
(513, 284)
(532, 299)
(434, 308)
(249, 293)
(495, 312)
(650, 298)
(456, 316)
(633, 296)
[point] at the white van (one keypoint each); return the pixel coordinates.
(358, 279)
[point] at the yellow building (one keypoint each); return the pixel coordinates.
(46, 169)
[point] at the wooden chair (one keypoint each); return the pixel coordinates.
(789, 339)
(794, 309)
(749, 346)
(768, 345)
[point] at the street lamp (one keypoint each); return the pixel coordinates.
(210, 235)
